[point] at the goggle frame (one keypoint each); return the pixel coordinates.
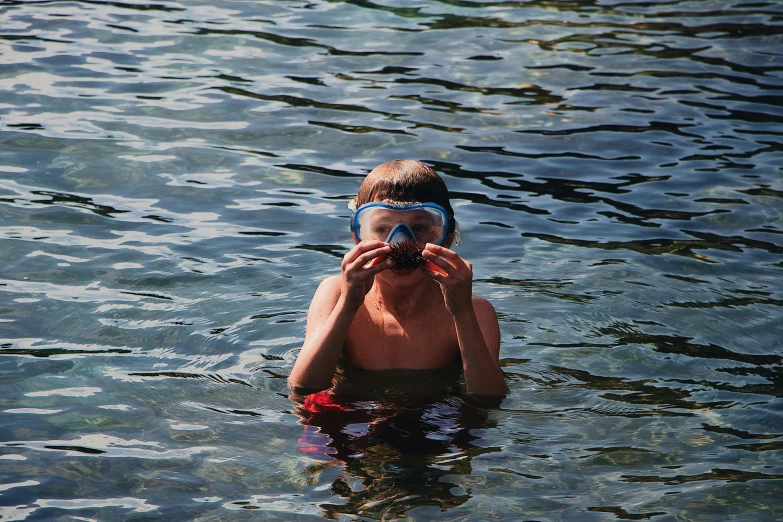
(403, 207)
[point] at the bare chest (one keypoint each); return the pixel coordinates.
(380, 340)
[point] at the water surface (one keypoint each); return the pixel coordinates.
(173, 186)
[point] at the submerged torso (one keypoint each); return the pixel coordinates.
(359, 383)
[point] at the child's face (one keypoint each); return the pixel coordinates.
(427, 223)
(423, 224)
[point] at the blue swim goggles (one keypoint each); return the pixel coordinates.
(393, 223)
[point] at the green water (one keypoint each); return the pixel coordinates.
(173, 186)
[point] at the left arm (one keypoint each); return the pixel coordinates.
(478, 334)
(475, 320)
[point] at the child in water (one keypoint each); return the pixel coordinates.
(374, 316)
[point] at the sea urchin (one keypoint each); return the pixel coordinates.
(406, 255)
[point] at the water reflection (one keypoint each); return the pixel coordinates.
(395, 455)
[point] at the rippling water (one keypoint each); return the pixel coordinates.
(173, 185)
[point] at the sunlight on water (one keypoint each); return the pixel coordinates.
(173, 186)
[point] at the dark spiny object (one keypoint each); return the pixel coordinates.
(406, 255)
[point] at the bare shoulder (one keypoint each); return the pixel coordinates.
(484, 308)
(330, 285)
(327, 294)
(324, 301)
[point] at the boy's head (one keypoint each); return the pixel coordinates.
(405, 181)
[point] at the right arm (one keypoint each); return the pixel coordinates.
(331, 313)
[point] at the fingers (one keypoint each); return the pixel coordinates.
(434, 271)
(365, 252)
(379, 267)
(378, 260)
(445, 258)
(365, 258)
(454, 259)
(437, 265)
(361, 248)
(444, 264)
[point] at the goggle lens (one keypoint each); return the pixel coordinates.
(428, 222)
